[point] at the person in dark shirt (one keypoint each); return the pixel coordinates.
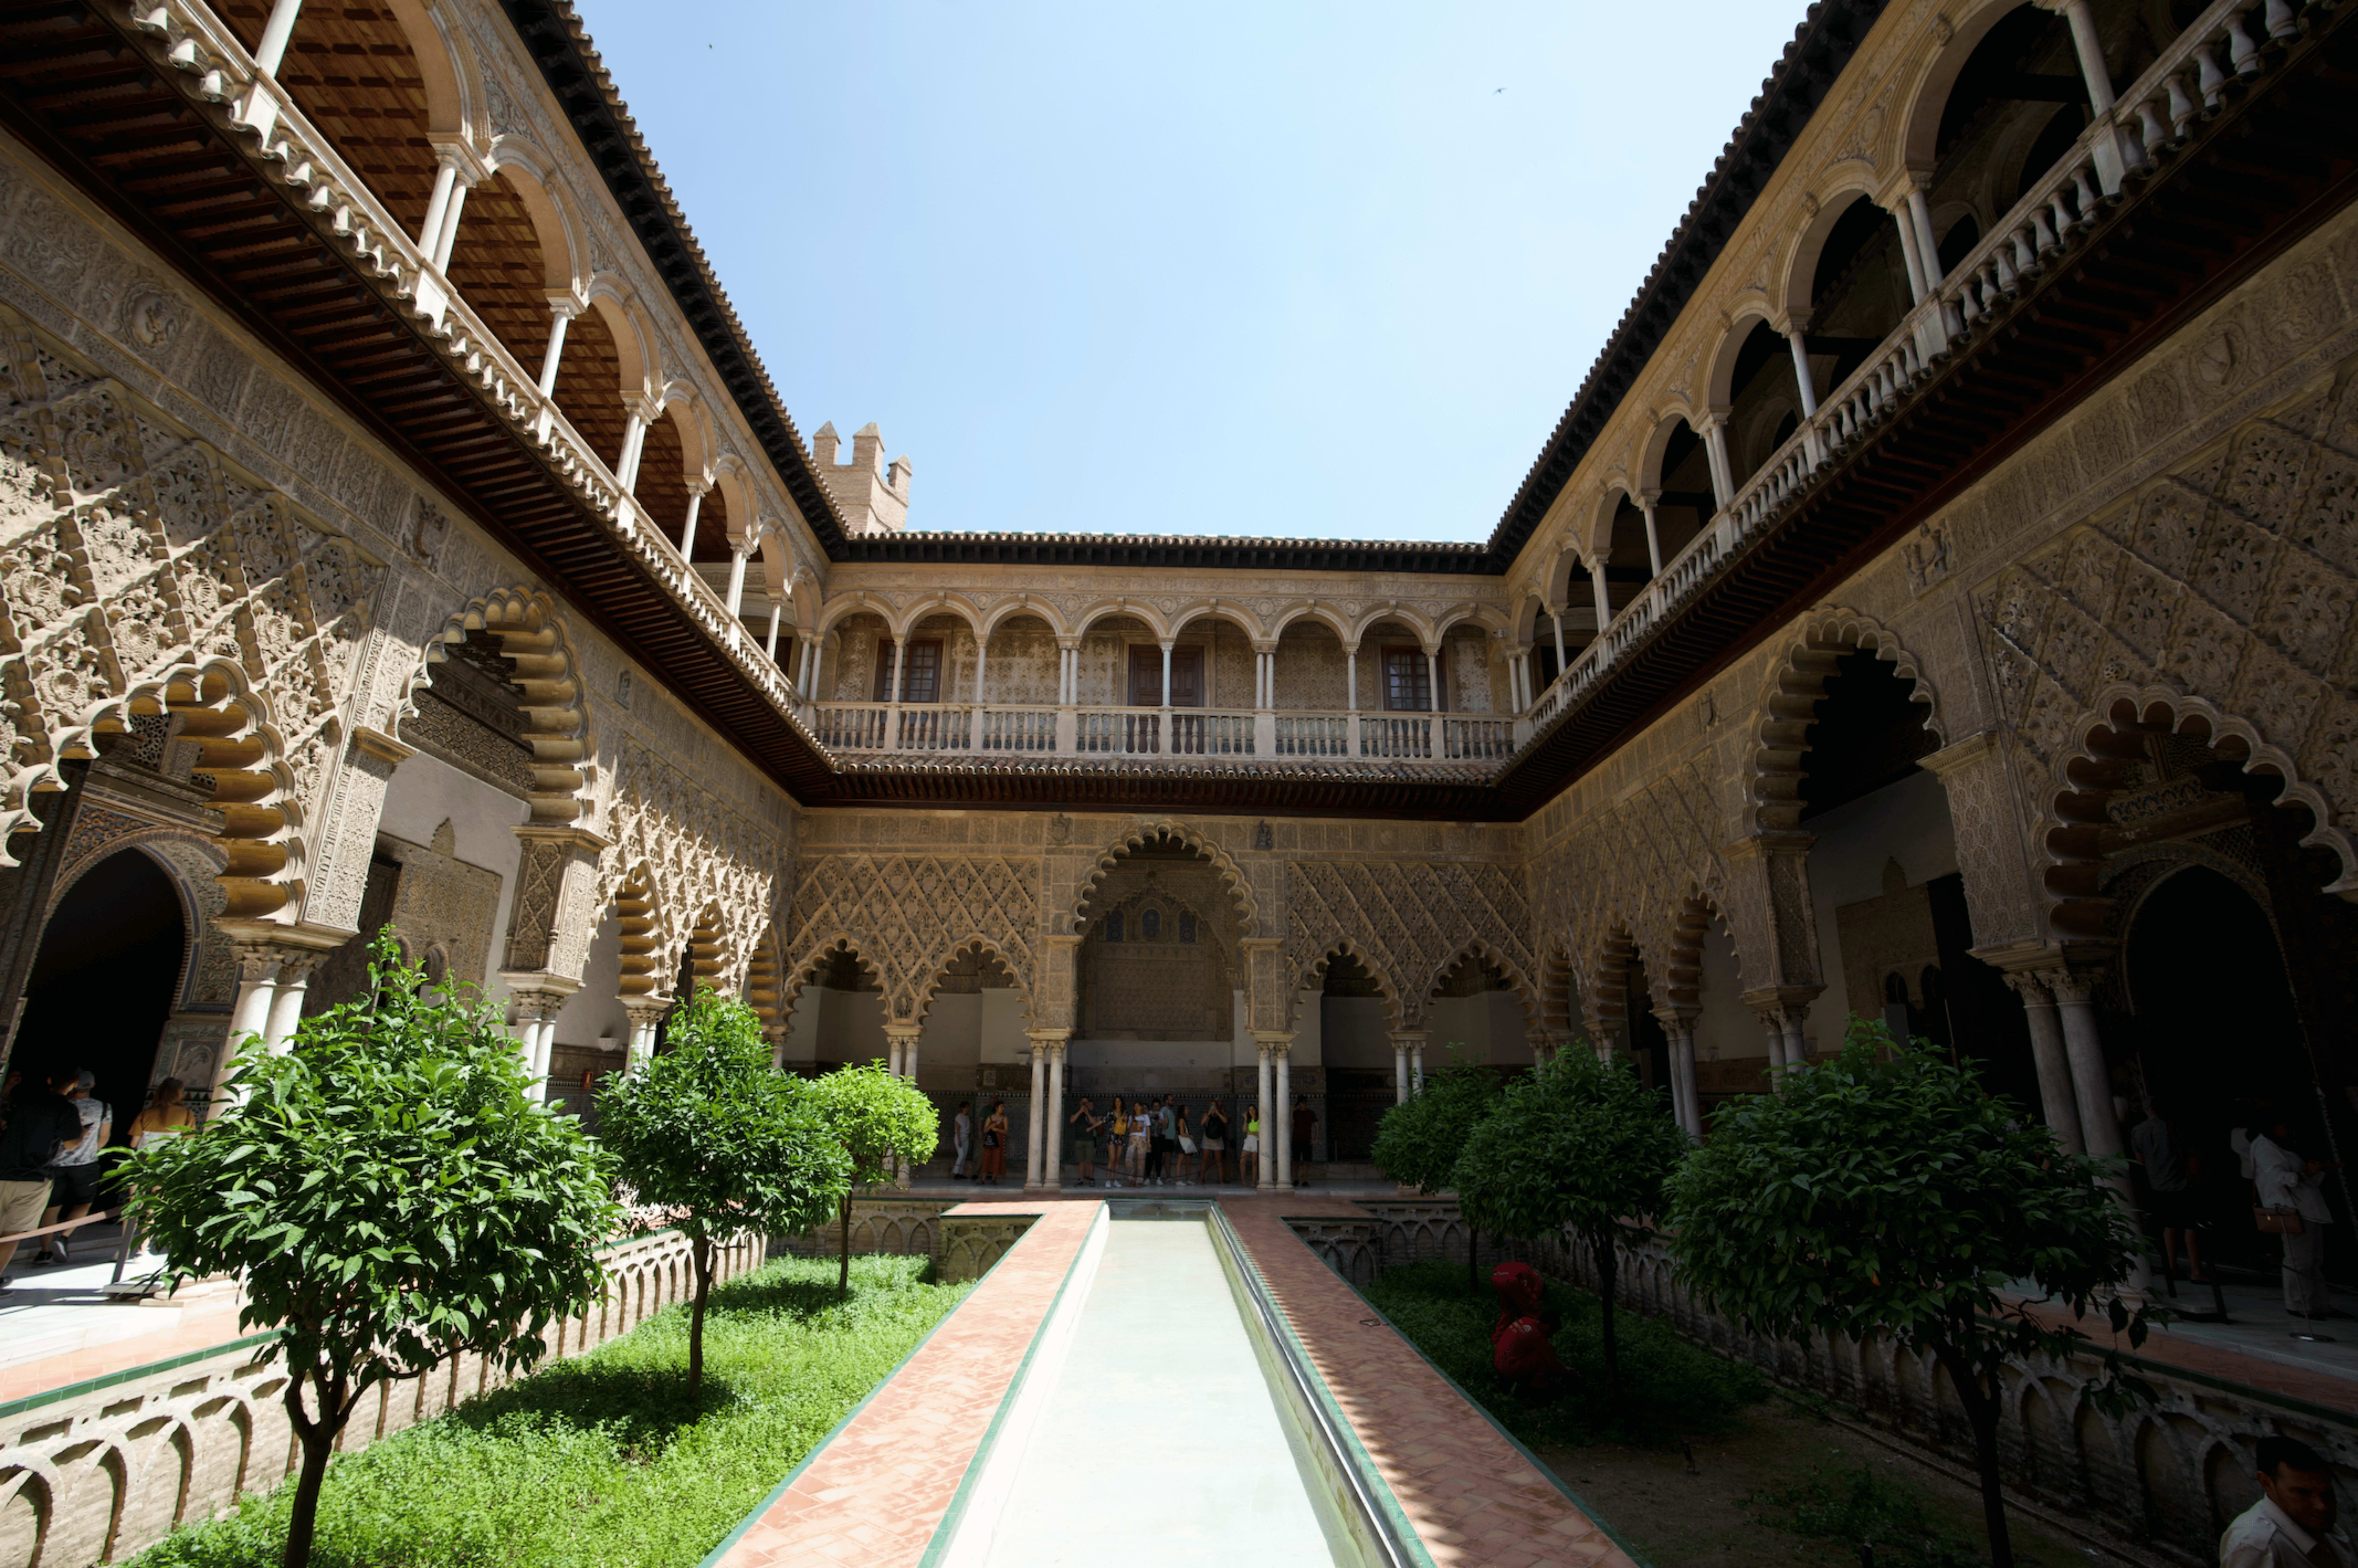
(39, 1124)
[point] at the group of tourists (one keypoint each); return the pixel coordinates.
(1149, 1143)
(53, 1133)
(2182, 1187)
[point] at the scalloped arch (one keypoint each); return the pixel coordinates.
(1239, 888)
(1789, 703)
(525, 626)
(2073, 815)
(938, 969)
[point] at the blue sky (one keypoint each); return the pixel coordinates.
(1305, 269)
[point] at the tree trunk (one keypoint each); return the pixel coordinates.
(843, 1270)
(1608, 1263)
(319, 1441)
(700, 1251)
(1981, 1410)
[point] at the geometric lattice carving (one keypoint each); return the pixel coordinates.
(2221, 600)
(136, 573)
(1408, 921)
(689, 850)
(1631, 873)
(907, 914)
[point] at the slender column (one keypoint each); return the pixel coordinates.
(900, 669)
(627, 461)
(1685, 1097)
(1802, 377)
(1908, 248)
(777, 614)
(1646, 504)
(446, 181)
(2091, 50)
(1055, 1160)
(1927, 249)
(1555, 612)
(892, 1054)
(1351, 680)
(802, 666)
(560, 315)
(1723, 473)
(1603, 604)
(2074, 992)
(1407, 1045)
(271, 52)
(1166, 677)
(1284, 1055)
(1416, 1065)
(696, 489)
(286, 1000)
(257, 967)
(2061, 1106)
(982, 659)
(1519, 681)
(736, 579)
(448, 237)
(1265, 1177)
(1039, 1115)
(645, 1013)
(1797, 1050)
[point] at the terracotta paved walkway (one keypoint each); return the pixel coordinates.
(873, 1496)
(1473, 1497)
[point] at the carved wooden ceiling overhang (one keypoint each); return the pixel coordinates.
(84, 86)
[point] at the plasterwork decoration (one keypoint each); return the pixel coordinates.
(136, 569)
(2219, 599)
(1241, 887)
(692, 850)
(906, 915)
(1408, 921)
(1634, 868)
(524, 625)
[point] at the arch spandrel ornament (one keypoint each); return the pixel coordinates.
(1239, 886)
(907, 914)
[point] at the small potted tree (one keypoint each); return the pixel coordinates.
(390, 1195)
(709, 1133)
(1417, 1140)
(876, 1119)
(1886, 1193)
(1580, 1145)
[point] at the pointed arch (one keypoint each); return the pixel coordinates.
(819, 954)
(1517, 980)
(1788, 704)
(1239, 887)
(523, 626)
(938, 968)
(1314, 977)
(638, 911)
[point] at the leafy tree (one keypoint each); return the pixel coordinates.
(876, 1119)
(1895, 1197)
(1581, 1144)
(1419, 1139)
(710, 1132)
(390, 1195)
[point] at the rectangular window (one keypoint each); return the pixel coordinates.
(1408, 682)
(924, 679)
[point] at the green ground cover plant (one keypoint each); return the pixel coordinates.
(1669, 1388)
(1852, 1504)
(607, 1461)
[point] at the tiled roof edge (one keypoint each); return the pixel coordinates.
(554, 36)
(1829, 34)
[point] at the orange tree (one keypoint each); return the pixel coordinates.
(390, 1194)
(1885, 1193)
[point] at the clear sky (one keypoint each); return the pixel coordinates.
(1327, 270)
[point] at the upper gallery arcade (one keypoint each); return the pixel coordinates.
(1933, 603)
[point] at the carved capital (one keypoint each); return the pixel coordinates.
(371, 742)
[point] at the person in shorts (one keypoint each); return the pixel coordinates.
(39, 1124)
(1083, 1127)
(74, 1173)
(1212, 1137)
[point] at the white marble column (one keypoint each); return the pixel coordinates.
(1265, 1161)
(286, 1000)
(1416, 1066)
(2074, 991)
(1032, 1183)
(2056, 1098)
(1686, 1103)
(1054, 1169)
(1284, 1055)
(1399, 1071)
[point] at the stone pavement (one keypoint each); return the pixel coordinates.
(1474, 1499)
(874, 1494)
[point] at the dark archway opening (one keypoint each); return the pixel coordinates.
(104, 979)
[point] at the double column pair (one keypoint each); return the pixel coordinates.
(1044, 1165)
(275, 964)
(1275, 1083)
(2074, 1085)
